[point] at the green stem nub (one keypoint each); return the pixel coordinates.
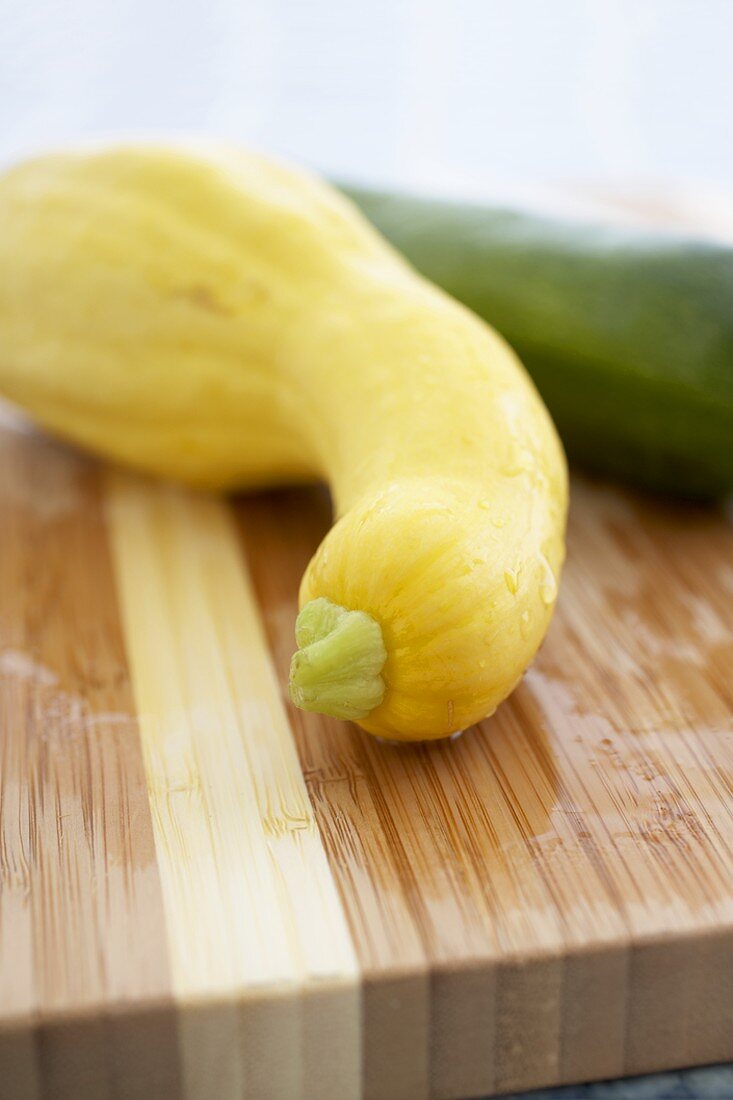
(336, 669)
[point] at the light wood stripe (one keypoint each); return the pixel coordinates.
(262, 961)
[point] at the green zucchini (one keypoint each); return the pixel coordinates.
(627, 333)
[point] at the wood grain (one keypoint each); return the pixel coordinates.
(547, 899)
(565, 869)
(81, 928)
(255, 927)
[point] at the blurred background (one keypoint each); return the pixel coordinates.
(472, 97)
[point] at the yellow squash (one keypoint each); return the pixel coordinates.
(211, 316)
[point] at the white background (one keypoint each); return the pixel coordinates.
(419, 92)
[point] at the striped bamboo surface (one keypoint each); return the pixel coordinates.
(208, 894)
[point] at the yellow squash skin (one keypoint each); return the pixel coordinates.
(217, 318)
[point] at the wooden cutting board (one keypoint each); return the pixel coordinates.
(206, 894)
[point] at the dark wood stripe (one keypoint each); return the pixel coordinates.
(82, 934)
(544, 867)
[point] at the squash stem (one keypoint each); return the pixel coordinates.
(337, 667)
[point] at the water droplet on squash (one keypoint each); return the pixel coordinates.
(511, 579)
(498, 521)
(548, 584)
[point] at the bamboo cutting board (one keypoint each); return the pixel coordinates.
(205, 893)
